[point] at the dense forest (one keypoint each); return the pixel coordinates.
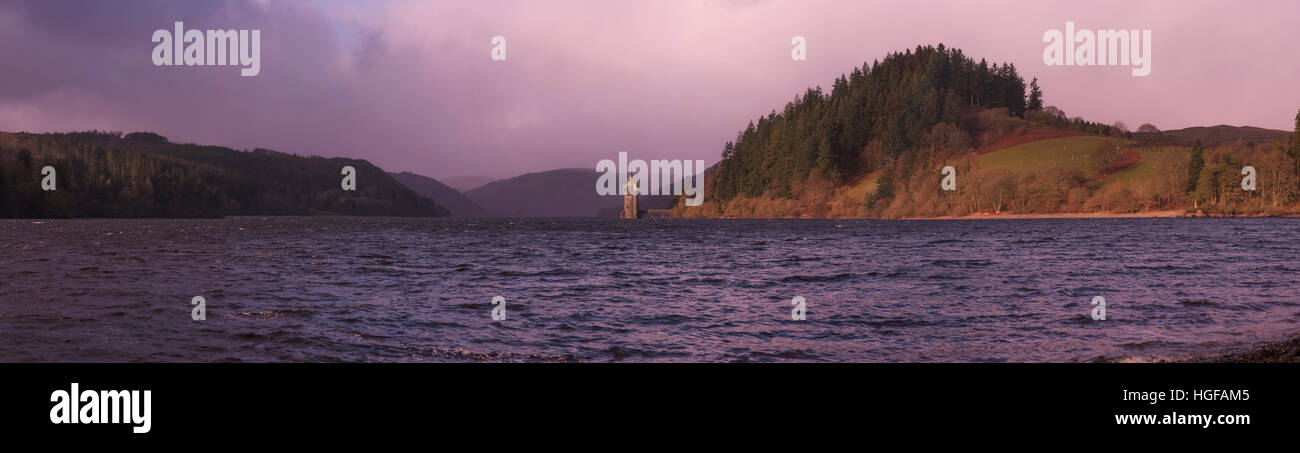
(874, 145)
(106, 174)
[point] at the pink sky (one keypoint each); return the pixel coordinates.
(410, 85)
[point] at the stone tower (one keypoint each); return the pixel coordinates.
(630, 208)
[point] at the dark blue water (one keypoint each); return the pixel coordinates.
(385, 289)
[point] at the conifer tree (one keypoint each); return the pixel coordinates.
(1295, 144)
(1035, 96)
(1195, 165)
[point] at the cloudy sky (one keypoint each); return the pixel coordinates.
(410, 85)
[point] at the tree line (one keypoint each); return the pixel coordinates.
(1214, 176)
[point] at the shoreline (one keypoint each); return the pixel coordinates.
(1285, 350)
(1161, 214)
(1164, 214)
(1279, 351)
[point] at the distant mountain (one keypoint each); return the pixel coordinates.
(467, 183)
(569, 192)
(1217, 135)
(447, 197)
(103, 174)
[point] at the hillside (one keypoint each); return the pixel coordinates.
(1223, 134)
(1068, 174)
(456, 203)
(464, 184)
(569, 192)
(874, 145)
(102, 174)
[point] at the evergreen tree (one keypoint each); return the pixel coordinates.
(1014, 90)
(1035, 96)
(1195, 165)
(1295, 144)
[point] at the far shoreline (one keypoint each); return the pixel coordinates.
(1159, 214)
(1164, 214)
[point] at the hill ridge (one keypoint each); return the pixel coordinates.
(104, 174)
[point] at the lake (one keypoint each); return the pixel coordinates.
(397, 289)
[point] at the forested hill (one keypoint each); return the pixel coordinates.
(877, 144)
(871, 118)
(103, 174)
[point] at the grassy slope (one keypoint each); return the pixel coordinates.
(863, 187)
(1120, 176)
(1146, 167)
(1068, 152)
(1075, 153)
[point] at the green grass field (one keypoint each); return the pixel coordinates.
(1076, 153)
(1068, 152)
